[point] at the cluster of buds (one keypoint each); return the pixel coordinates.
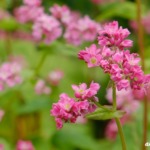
(69, 109)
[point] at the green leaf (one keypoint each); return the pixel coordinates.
(8, 24)
(104, 114)
(125, 10)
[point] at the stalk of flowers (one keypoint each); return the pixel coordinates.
(69, 109)
(125, 101)
(29, 11)
(112, 56)
(10, 75)
(24, 145)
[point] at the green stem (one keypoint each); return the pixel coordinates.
(40, 64)
(117, 119)
(141, 51)
(8, 47)
(121, 133)
(114, 96)
(100, 106)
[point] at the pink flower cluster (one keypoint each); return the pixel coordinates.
(42, 86)
(48, 27)
(10, 74)
(68, 109)
(125, 101)
(24, 145)
(83, 29)
(29, 12)
(111, 56)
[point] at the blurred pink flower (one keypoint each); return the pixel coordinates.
(27, 13)
(2, 147)
(55, 76)
(41, 88)
(48, 27)
(82, 30)
(24, 145)
(32, 2)
(10, 74)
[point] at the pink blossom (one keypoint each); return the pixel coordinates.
(2, 112)
(24, 145)
(114, 36)
(68, 109)
(64, 14)
(47, 27)
(91, 56)
(84, 29)
(83, 92)
(32, 2)
(10, 74)
(42, 88)
(55, 76)
(81, 120)
(27, 13)
(1, 147)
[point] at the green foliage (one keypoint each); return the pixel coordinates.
(105, 113)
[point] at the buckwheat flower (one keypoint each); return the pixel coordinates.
(114, 36)
(26, 13)
(32, 2)
(63, 13)
(81, 120)
(91, 56)
(46, 28)
(82, 92)
(82, 30)
(1, 147)
(55, 76)
(68, 109)
(2, 112)
(10, 74)
(24, 145)
(42, 88)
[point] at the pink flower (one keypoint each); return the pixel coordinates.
(24, 145)
(10, 74)
(114, 36)
(41, 88)
(27, 13)
(55, 76)
(47, 27)
(64, 14)
(68, 109)
(82, 30)
(32, 2)
(82, 92)
(91, 56)
(2, 112)
(1, 147)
